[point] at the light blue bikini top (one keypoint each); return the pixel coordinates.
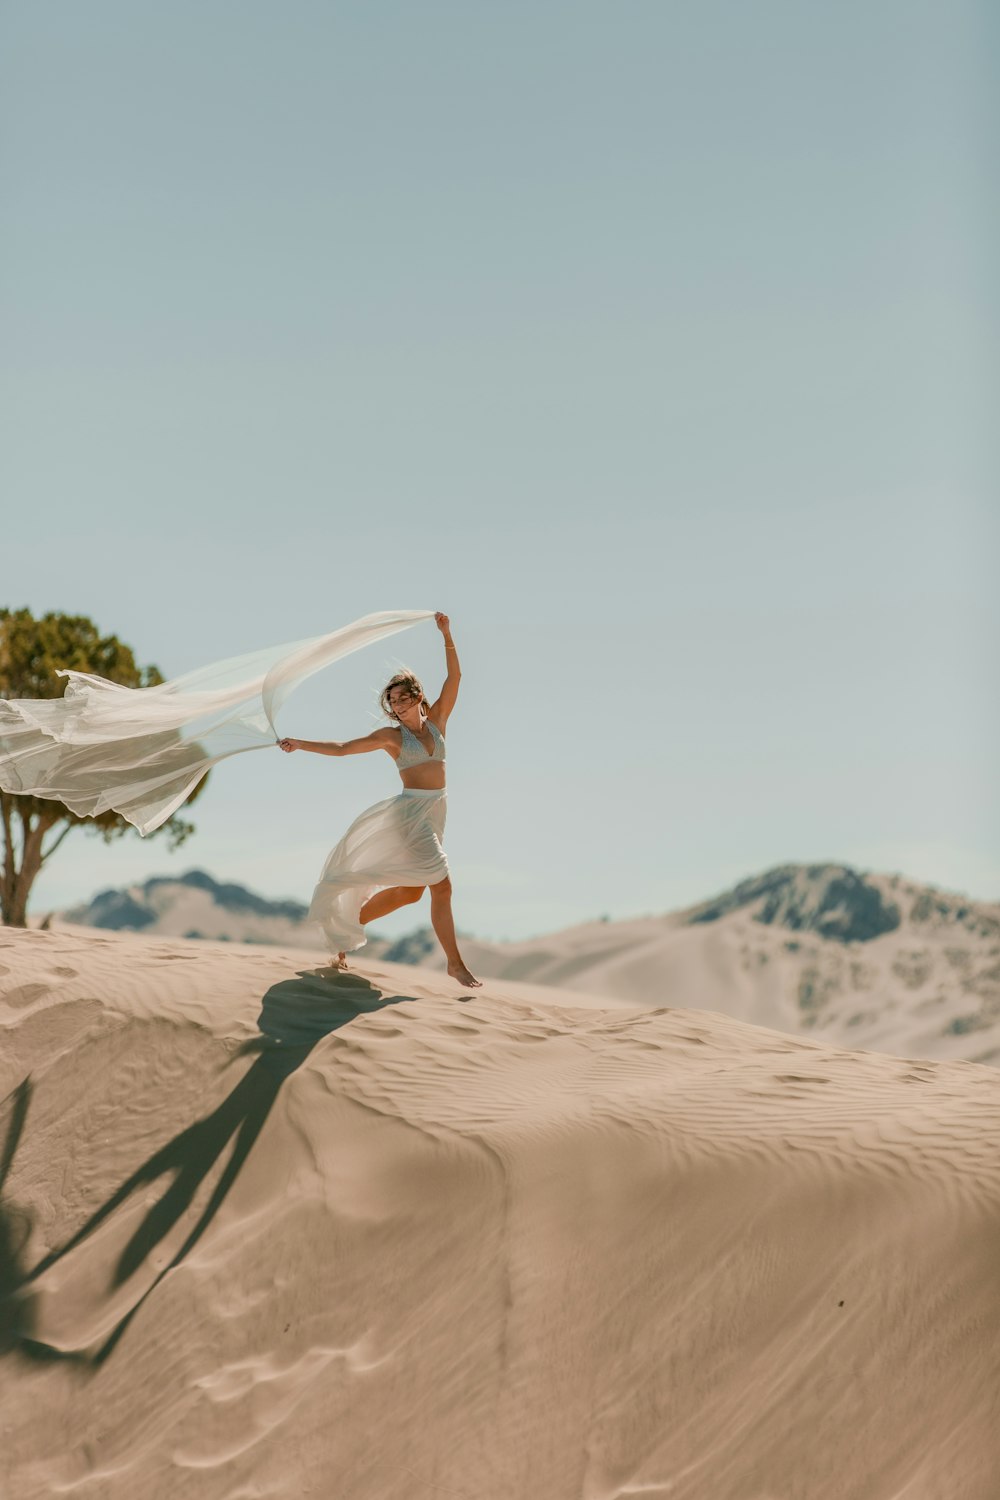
(413, 752)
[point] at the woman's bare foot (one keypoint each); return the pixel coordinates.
(340, 962)
(461, 973)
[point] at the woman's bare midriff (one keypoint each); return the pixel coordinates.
(423, 778)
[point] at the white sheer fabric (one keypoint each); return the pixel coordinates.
(141, 750)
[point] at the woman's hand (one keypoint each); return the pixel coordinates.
(442, 622)
(289, 744)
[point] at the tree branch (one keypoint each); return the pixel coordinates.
(53, 847)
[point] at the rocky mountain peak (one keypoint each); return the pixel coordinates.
(831, 900)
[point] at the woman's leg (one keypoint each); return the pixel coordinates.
(383, 902)
(444, 926)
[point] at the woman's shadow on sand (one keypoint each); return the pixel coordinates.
(295, 1015)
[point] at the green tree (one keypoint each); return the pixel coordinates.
(30, 652)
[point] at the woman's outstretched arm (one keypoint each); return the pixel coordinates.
(449, 693)
(379, 739)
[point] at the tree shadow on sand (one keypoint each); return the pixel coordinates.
(295, 1015)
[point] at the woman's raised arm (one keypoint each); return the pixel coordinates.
(449, 693)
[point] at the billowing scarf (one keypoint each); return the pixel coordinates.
(140, 751)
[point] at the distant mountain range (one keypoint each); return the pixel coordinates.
(873, 961)
(197, 906)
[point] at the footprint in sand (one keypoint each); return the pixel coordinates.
(25, 994)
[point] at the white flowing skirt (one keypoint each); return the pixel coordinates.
(395, 842)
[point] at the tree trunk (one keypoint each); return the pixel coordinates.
(9, 872)
(16, 884)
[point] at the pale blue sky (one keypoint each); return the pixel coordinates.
(651, 341)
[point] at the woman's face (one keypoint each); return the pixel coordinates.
(400, 699)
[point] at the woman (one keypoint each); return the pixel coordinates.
(393, 850)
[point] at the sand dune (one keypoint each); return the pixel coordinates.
(272, 1231)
